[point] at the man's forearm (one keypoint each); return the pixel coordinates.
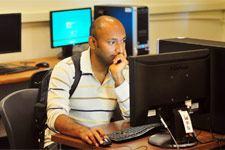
(119, 79)
(68, 126)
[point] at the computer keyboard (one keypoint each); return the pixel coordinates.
(133, 132)
(16, 69)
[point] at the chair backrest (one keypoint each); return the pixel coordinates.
(36, 78)
(17, 115)
(117, 114)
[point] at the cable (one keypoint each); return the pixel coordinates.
(165, 125)
(212, 140)
(221, 138)
(210, 129)
(195, 136)
(141, 147)
(219, 142)
(130, 148)
(124, 146)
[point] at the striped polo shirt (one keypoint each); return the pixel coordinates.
(92, 103)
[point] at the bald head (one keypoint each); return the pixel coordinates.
(103, 22)
(107, 40)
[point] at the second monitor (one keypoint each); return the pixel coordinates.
(69, 28)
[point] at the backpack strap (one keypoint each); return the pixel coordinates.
(40, 106)
(76, 61)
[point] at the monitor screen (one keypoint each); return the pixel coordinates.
(10, 33)
(162, 83)
(70, 27)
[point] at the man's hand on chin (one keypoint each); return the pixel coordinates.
(116, 69)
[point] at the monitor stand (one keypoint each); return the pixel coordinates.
(67, 51)
(164, 139)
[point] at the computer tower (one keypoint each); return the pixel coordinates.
(136, 23)
(217, 89)
(215, 119)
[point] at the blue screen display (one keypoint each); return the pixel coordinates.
(70, 27)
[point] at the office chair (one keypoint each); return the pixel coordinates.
(16, 111)
(117, 115)
(36, 78)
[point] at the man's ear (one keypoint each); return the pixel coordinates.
(92, 42)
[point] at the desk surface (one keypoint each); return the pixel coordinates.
(118, 125)
(24, 76)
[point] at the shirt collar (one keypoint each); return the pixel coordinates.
(85, 62)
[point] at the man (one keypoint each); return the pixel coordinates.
(103, 84)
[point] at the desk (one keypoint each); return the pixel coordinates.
(118, 125)
(24, 76)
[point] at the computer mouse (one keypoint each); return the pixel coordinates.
(106, 142)
(42, 64)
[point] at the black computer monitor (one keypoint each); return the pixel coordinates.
(161, 84)
(211, 121)
(69, 27)
(10, 33)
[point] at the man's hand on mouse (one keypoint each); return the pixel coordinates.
(116, 68)
(92, 136)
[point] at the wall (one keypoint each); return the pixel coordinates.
(168, 18)
(209, 25)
